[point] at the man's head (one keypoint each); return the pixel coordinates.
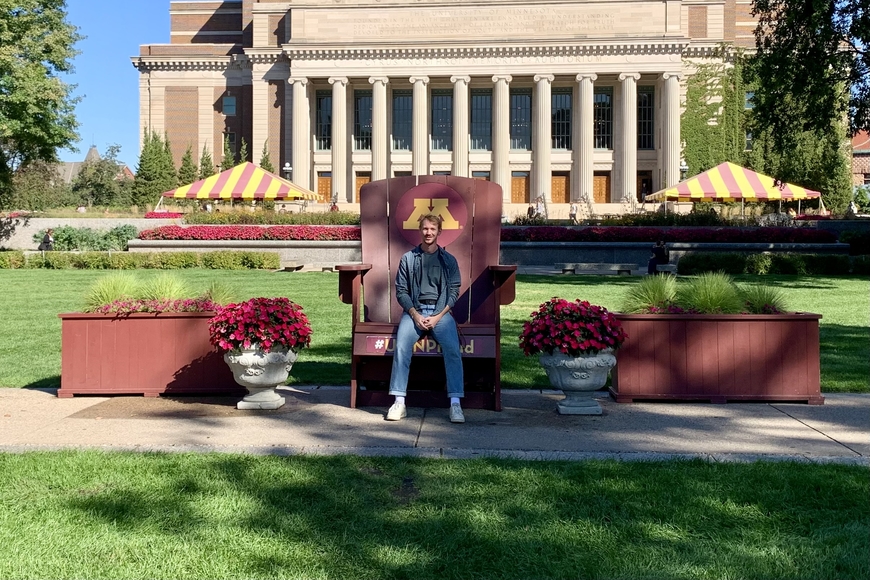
(430, 228)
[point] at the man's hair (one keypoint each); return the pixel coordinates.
(433, 218)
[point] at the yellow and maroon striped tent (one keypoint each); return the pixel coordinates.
(245, 181)
(729, 182)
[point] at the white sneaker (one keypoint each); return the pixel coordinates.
(456, 415)
(396, 412)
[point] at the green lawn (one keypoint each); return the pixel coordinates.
(125, 515)
(31, 299)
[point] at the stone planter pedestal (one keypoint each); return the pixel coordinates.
(578, 377)
(260, 372)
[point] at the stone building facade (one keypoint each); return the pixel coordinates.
(563, 99)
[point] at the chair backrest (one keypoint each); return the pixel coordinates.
(471, 209)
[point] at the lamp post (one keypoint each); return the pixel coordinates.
(288, 171)
(684, 169)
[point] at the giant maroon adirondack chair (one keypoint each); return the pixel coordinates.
(471, 232)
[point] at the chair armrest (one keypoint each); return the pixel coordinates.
(349, 280)
(504, 278)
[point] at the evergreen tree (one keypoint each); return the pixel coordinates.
(153, 174)
(206, 163)
(167, 163)
(188, 172)
(243, 151)
(265, 161)
(229, 160)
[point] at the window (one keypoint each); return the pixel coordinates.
(403, 117)
(323, 120)
(561, 124)
(442, 119)
(603, 117)
(362, 120)
(441, 173)
(748, 145)
(521, 118)
(747, 101)
(228, 106)
(867, 179)
(646, 117)
(484, 175)
(230, 139)
(481, 119)
(401, 174)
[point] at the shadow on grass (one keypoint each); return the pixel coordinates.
(349, 517)
(46, 384)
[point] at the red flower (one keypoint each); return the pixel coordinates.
(269, 322)
(572, 328)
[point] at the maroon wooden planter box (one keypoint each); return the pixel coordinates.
(719, 358)
(145, 354)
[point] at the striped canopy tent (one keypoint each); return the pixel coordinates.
(245, 181)
(729, 182)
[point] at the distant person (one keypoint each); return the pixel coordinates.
(540, 210)
(660, 256)
(47, 243)
(81, 209)
(572, 213)
(531, 211)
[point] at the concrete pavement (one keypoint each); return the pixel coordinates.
(318, 421)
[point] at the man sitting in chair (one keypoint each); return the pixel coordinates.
(427, 286)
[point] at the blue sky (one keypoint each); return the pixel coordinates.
(108, 112)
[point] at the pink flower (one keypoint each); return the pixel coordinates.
(573, 328)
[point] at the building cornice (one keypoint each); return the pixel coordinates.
(302, 52)
(147, 64)
(262, 56)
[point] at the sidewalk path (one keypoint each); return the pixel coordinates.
(318, 421)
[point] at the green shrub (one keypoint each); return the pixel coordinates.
(108, 289)
(11, 259)
(859, 242)
(788, 264)
(860, 265)
(68, 238)
(230, 260)
(758, 264)
(91, 261)
(125, 261)
(710, 293)
(698, 262)
(179, 260)
(244, 217)
(827, 264)
(763, 299)
(57, 261)
(651, 292)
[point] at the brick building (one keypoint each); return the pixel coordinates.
(861, 159)
(569, 100)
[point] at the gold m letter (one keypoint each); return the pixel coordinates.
(421, 208)
(438, 206)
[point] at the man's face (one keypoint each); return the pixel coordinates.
(429, 232)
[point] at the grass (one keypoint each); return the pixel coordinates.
(31, 300)
(122, 515)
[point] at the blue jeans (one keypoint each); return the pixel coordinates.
(445, 334)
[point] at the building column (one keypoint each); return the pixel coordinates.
(380, 145)
(260, 107)
(501, 135)
(628, 159)
(542, 128)
(301, 162)
(286, 151)
(339, 139)
(584, 133)
(420, 131)
(671, 132)
(460, 125)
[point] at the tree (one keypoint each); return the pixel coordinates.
(167, 163)
(100, 180)
(718, 120)
(38, 186)
(206, 163)
(188, 172)
(229, 158)
(243, 151)
(265, 161)
(813, 66)
(153, 175)
(36, 106)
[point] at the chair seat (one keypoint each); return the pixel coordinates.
(375, 339)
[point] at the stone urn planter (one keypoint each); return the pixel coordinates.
(578, 377)
(260, 372)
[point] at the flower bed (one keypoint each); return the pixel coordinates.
(509, 234)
